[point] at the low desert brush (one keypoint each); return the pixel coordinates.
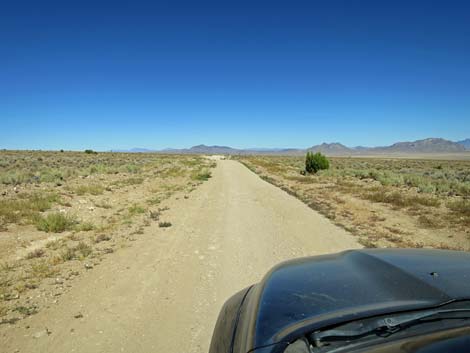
(55, 222)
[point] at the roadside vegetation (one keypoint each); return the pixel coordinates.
(62, 212)
(316, 162)
(385, 202)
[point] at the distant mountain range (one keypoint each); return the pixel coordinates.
(429, 145)
(135, 150)
(465, 143)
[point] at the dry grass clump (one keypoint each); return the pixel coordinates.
(154, 215)
(461, 207)
(84, 227)
(135, 209)
(91, 189)
(3, 310)
(55, 244)
(429, 221)
(102, 237)
(154, 200)
(78, 252)
(400, 199)
(35, 254)
(26, 207)
(201, 175)
(83, 249)
(173, 171)
(104, 205)
(42, 269)
(129, 181)
(27, 310)
(55, 222)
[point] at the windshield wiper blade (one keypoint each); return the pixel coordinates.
(383, 326)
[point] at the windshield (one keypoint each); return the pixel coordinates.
(384, 327)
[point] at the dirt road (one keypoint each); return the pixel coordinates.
(163, 294)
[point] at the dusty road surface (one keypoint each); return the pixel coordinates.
(164, 292)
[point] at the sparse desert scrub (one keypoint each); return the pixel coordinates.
(102, 237)
(103, 204)
(92, 196)
(35, 254)
(460, 207)
(201, 175)
(55, 244)
(55, 222)
(24, 208)
(427, 201)
(136, 209)
(154, 200)
(77, 252)
(460, 210)
(172, 171)
(400, 199)
(84, 227)
(42, 269)
(129, 181)
(92, 189)
(26, 310)
(83, 249)
(155, 215)
(3, 310)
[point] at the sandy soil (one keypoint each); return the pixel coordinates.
(163, 293)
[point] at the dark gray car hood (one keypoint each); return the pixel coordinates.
(309, 293)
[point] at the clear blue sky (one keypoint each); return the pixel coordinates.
(98, 74)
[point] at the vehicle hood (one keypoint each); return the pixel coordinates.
(306, 294)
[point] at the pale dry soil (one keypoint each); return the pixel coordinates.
(163, 293)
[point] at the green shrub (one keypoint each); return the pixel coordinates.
(201, 175)
(316, 162)
(26, 310)
(55, 222)
(90, 152)
(136, 209)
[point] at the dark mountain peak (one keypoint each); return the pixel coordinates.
(331, 148)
